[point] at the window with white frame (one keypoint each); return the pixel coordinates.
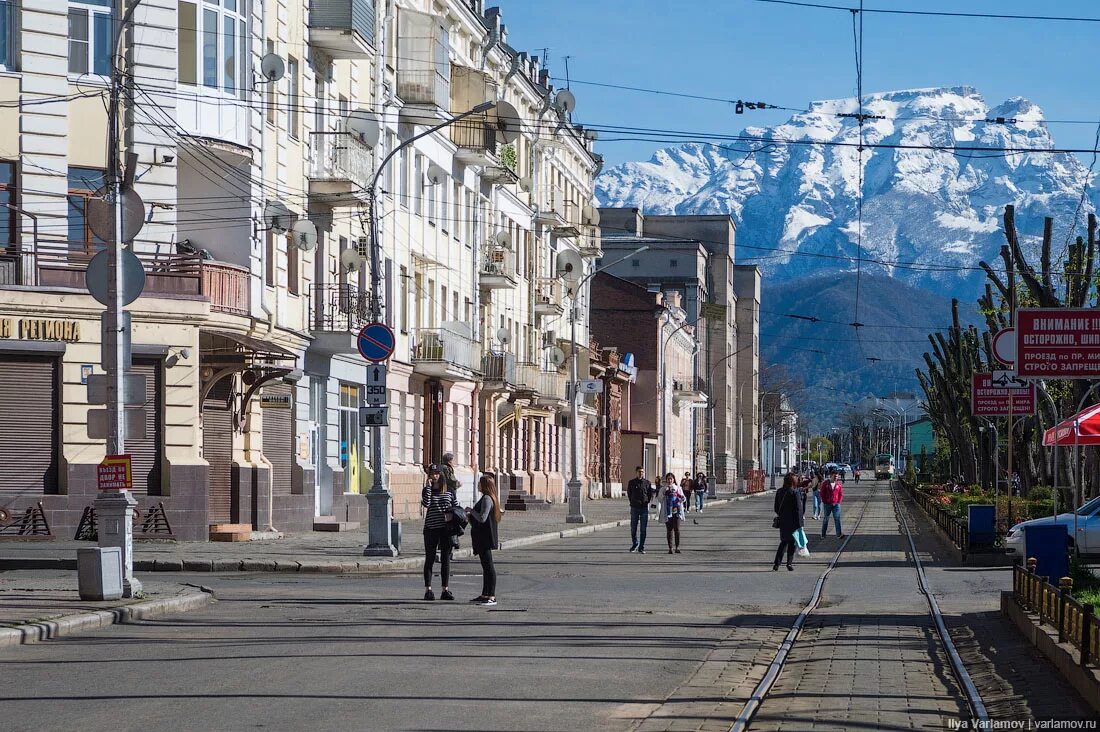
(213, 45)
(91, 34)
(9, 17)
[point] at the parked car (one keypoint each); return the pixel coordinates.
(1088, 529)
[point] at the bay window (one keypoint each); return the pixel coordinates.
(213, 45)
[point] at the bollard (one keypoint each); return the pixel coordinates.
(1042, 597)
(1065, 587)
(1086, 634)
(1032, 562)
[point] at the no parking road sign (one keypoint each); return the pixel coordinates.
(376, 342)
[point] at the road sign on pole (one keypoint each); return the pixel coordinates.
(1009, 380)
(375, 388)
(1004, 346)
(1058, 343)
(589, 386)
(374, 416)
(115, 473)
(989, 400)
(376, 342)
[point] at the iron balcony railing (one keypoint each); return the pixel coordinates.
(339, 156)
(338, 308)
(498, 368)
(475, 133)
(441, 345)
(423, 86)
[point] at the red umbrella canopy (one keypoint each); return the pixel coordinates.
(1087, 432)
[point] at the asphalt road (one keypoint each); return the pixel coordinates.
(586, 636)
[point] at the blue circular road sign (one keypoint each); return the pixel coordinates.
(376, 342)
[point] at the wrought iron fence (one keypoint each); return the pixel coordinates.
(339, 307)
(1055, 606)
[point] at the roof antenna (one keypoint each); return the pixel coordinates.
(566, 59)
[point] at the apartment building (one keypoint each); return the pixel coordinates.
(255, 179)
(695, 256)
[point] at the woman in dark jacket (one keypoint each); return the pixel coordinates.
(788, 508)
(484, 517)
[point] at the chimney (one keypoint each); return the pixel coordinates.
(673, 299)
(660, 297)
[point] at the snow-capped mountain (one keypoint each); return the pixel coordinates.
(929, 215)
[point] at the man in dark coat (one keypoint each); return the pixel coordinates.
(639, 492)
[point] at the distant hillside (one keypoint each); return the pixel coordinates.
(844, 372)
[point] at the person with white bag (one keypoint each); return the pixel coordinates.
(788, 519)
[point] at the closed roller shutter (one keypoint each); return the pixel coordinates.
(28, 424)
(146, 450)
(217, 450)
(279, 439)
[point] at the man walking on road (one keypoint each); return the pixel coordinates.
(639, 492)
(831, 493)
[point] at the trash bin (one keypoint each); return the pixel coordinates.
(99, 572)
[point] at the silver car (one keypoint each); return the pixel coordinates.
(1088, 529)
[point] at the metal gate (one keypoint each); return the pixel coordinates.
(28, 424)
(217, 449)
(279, 439)
(146, 450)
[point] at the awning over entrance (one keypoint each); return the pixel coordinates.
(1087, 432)
(224, 343)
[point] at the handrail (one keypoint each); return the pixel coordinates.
(1055, 606)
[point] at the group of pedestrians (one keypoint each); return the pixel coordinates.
(827, 492)
(671, 501)
(445, 520)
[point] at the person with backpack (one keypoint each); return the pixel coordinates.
(484, 518)
(439, 503)
(832, 494)
(672, 511)
(789, 506)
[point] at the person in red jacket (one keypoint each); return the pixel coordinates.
(832, 494)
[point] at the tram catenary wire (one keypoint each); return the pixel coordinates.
(775, 668)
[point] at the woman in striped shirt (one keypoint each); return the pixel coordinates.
(436, 499)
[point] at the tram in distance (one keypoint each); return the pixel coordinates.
(884, 466)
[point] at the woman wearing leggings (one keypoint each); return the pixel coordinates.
(437, 500)
(672, 510)
(484, 517)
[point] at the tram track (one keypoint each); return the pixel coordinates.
(775, 669)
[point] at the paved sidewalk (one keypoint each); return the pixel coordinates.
(318, 551)
(42, 607)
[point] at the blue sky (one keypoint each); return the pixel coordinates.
(790, 56)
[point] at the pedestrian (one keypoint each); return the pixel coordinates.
(700, 491)
(832, 494)
(672, 511)
(789, 505)
(815, 489)
(687, 485)
(856, 474)
(448, 472)
(639, 493)
(484, 518)
(437, 536)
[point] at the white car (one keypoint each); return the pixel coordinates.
(1088, 529)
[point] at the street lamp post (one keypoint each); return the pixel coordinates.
(379, 500)
(576, 500)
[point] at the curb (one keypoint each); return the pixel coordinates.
(368, 566)
(81, 622)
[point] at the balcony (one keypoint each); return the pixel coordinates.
(527, 377)
(226, 286)
(342, 28)
(688, 390)
(498, 371)
(340, 168)
(498, 270)
(591, 245)
(550, 206)
(422, 88)
(548, 297)
(551, 389)
(337, 312)
(476, 141)
(446, 353)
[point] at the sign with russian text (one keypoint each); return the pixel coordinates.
(1058, 343)
(115, 473)
(989, 400)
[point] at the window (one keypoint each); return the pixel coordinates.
(443, 302)
(8, 16)
(403, 309)
(291, 266)
(83, 183)
(418, 185)
(269, 90)
(8, 227)
(90, 36)
(403, 171)
(293, 94)
(213, 46)
(672, 263)
(456, 222)
(269, 259)
(444, 204)
(432, 188)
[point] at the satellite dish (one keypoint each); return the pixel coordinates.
(305, 234)
(590, 420)
(590, 215)
(504, 336)
(277, 217)
(503, 239)
(365, 125)
(556, 356)
(506, 121)
(569, 266)
(272, 67)
(435, 175)
(565, 102)
(525, 184)
(351, 260)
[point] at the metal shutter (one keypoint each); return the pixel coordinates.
(217, 450)
(279, 440)
(28, 424)
(146, 450)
